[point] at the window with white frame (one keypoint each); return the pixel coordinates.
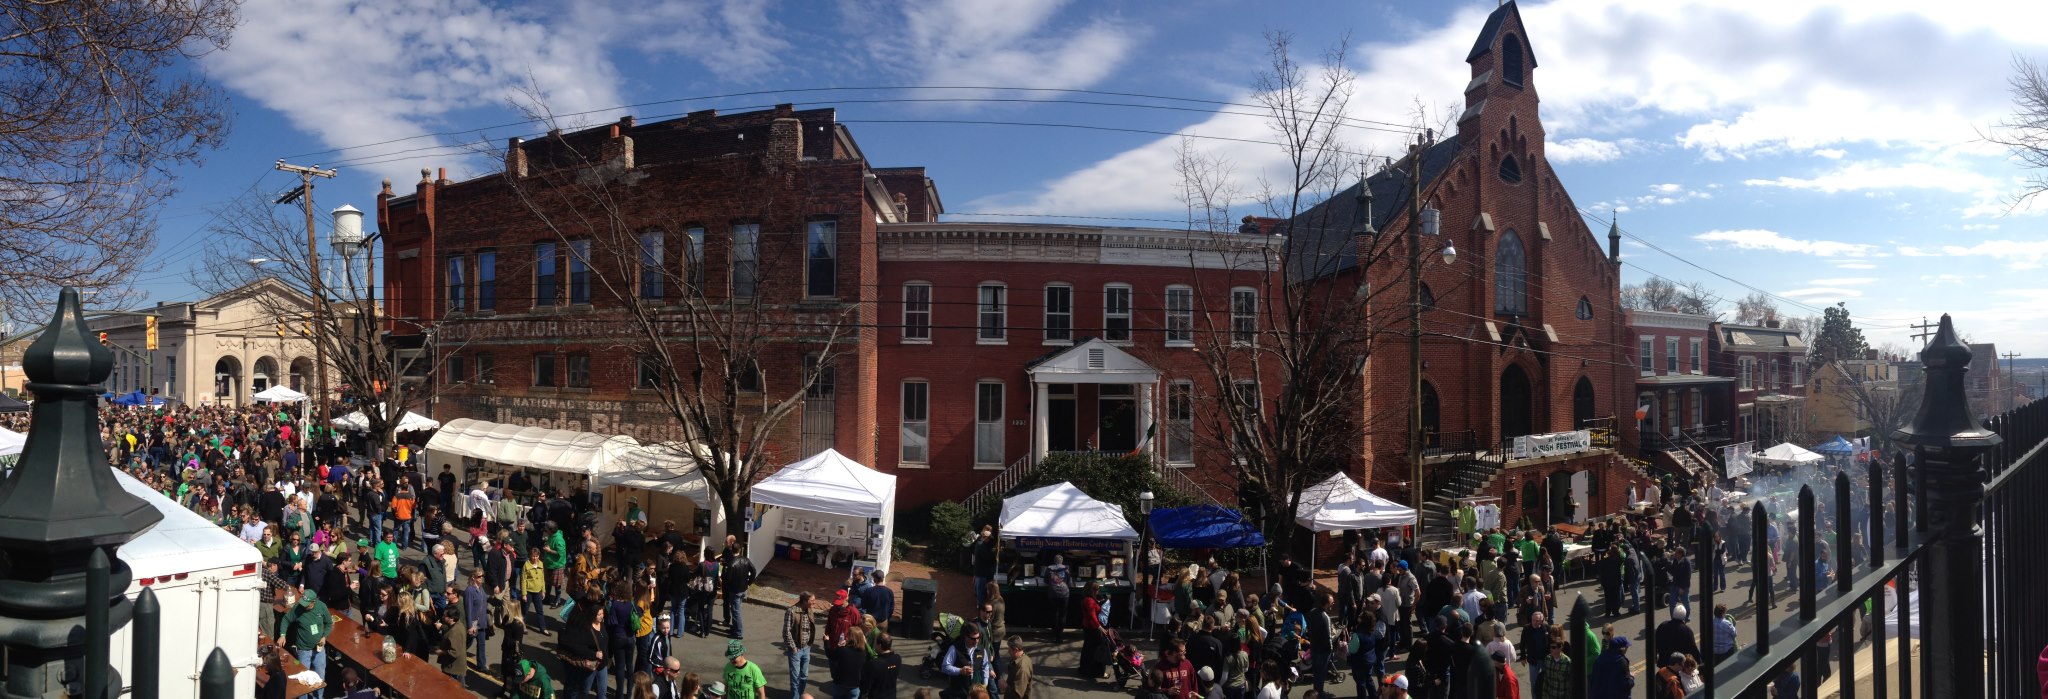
(1244, 316)
(579, 370)
(1646, 349)
(1180, 316)
(994, 310)
(1180, 422)
(1748, 365)
(1695, 346)
(1671, 355)
(1771, 374)
(917, 426)
(1245, 392)
(917, 312)
(988, 423)
(1699, 417)
(1798, 373)
(1116, 313)
(458, 287)
(1059, 314)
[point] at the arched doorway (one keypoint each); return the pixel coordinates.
(1582, 403)
(265, 375)
(1432, 421)
(1517, 403)
(227, 381)
(301, 368)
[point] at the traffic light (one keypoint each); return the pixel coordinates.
(104, 342)
(149, 333)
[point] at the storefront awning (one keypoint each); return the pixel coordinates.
(541, 448)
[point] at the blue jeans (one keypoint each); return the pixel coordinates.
(733, 602)
(1319, 667)
(376, 522)
(981, 591)
(799, 670)
(536, 611)
(677, 615)
(404, 527)
(482, 640)
(315, 660)
(839, 692)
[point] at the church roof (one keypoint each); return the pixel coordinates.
(1326, 229)
(1489, 35)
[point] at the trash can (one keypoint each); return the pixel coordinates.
(920, 608)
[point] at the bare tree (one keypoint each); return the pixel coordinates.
(368, 368)
(1283, 399)
(1660, 294)
(1873, 393)
(1756, 309)
(699, 346)
(1206, 188)
(96, 108)
(2025, 132)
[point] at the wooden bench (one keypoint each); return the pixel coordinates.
(409, 676)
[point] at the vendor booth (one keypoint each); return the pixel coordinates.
(1786, 455)
(278, 394)
(10, 404)
(553, 459)
(412, 422)
(1339, 503)
(828, 509)
(1204, 527)
(667, 486)
(1093, 536)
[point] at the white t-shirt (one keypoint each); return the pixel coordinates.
(1378, 555)
(1267, 691)
(1502, 648)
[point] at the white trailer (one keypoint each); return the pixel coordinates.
(208, 583)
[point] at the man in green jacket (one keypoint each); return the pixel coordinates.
(534, 682)
(303, 631)
(555, 555)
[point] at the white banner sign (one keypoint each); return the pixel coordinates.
(1738, 458)
(1553, 444)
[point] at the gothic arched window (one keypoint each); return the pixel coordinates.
(1510, 276)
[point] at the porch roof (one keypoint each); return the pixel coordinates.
(1092, 361)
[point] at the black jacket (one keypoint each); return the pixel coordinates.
(848, 663)
(878, 679)
(1472, 672)
(1674, 637)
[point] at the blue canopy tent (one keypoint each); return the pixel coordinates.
(1837, 447)
(137, 398)
(1204, 527)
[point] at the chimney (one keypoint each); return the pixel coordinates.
(785, 139)
(441, 176)
(1771, 323)
(617, 148)
(515, 157)
(902, 207)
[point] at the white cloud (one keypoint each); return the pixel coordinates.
(1007, 43)
(1821, 294)
(1855, 265)
(1588, 150)
(1666, 188)
(1874, 176)
(1831, 153)
(1845, 281)
(1757, 239)
(734, 39)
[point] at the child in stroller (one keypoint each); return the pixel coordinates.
(944, 631)
(1127, 661)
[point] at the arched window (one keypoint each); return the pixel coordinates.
(1510, 171)
(1511, 60)
(1582, 402)
(1585, 308)
(1510, 276)
(1517, 403)
(1432, 412)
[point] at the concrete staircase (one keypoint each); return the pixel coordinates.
(1685, 461)
(1439, 529)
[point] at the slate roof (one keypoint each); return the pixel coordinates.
(1488, 33)
(1748, 337)
(1326, 229)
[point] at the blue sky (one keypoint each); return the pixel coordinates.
(1822, 151)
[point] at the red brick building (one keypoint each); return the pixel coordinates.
(1685, 403)
(969, 347)
(1522, 334)
(1768, 367)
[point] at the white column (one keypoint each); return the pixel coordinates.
(1144, 396)
(1041, 402)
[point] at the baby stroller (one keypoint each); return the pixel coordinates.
(944, 631)
(1124, 658)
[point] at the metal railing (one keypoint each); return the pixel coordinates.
(1000, 485)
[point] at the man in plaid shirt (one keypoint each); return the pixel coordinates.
(272, 596)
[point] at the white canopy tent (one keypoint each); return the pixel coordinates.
(567, 451)
(1787, 454)
(412, 422)
(828, 483)
(1062, 511)
(279, 394)
(660, 468)
(1340, 503)
(11, 442)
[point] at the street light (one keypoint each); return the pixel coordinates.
(1151, 577)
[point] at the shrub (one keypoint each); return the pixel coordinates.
(951, 529)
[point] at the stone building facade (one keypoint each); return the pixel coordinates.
(216, 351)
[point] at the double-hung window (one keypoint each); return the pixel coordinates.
(579, 370)
(458, 287)
(917, 426)
(1180, 422)
(486, 368)
(1748, 365)
(647, 371)
(994, 311)
(544, 278)
(487, 280)
(1059, 314)
(821, 259)
(1695, 355)
(1180, 316)
(1116, 313)
(917, 312)
(1671, 355)
(1646, 348)
(746, 259)
(988, 423)
(544, 369)
(579, 272)
(1244, 316)
(651, 258)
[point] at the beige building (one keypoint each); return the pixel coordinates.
(216, 351)
(1842, 394)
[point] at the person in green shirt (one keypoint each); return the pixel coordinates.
(534, 682)
(1529, 549)
(1468, 520)
(1496, 541)
(303, 631)
(387, 556)
(743, 679)
(555, 555)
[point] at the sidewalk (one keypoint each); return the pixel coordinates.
(781, 581)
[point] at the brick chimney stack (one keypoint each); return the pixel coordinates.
(618, 148)
(785, 140)
(515, 157)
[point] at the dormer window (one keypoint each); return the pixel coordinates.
(1511, 60)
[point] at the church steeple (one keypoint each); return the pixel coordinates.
(1614, 238)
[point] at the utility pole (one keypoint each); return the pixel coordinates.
(305, 196)
(1926, 331)
(1414, 333)
(2011, 379)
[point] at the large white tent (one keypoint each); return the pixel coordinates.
(412, 422)
(661, 468)
(279, 394)
(1339, 503)
(568, 451)
(853, 499)
(1062, 511)
(11, 442)
(1787, 454)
